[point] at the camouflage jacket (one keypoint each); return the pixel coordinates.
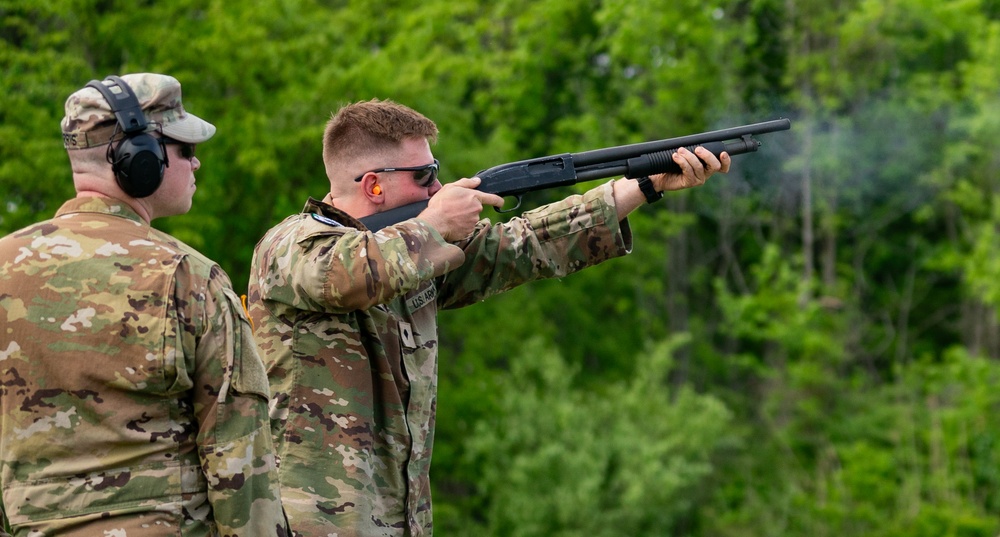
(133, 400)
(346, 321)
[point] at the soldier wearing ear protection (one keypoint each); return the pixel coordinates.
(138, 159)
(346, 317)
(133, 399)
(109, 113)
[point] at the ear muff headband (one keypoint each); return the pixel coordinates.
(138, 159)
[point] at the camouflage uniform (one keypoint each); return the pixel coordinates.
(346, 322)
(133, 401)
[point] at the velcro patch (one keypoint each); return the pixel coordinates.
(421, 299)
(326, 220)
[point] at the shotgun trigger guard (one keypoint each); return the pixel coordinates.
(514, 208)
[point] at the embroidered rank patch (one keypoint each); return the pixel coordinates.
(406, 334)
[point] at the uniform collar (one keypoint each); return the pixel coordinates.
(100, 205)
(315, 206)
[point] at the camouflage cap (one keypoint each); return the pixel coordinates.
(89, 121)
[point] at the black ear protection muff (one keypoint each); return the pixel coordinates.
(138, 159)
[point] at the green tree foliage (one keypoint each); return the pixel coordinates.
(917, 456)
(562, 461)
(805, 346)
(35, 71)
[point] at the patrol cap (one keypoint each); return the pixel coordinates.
(89, 121)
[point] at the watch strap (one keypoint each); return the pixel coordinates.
(648, 190)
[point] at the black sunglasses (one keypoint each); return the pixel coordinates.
(424, 175)
(187, 148)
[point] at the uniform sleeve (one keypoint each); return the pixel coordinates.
(549, 242)
(230, 404)
(312, 266)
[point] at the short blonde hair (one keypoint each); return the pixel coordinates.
(91, 160)
(372, 127)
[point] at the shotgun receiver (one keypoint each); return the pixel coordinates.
(631, 161)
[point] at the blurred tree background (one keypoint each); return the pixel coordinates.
(806, 346)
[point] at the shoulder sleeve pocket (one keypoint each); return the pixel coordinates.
(249, 376)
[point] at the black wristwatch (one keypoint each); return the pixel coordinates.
(648, 190)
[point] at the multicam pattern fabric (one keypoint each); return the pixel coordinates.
(133, 400)
(346, 321)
